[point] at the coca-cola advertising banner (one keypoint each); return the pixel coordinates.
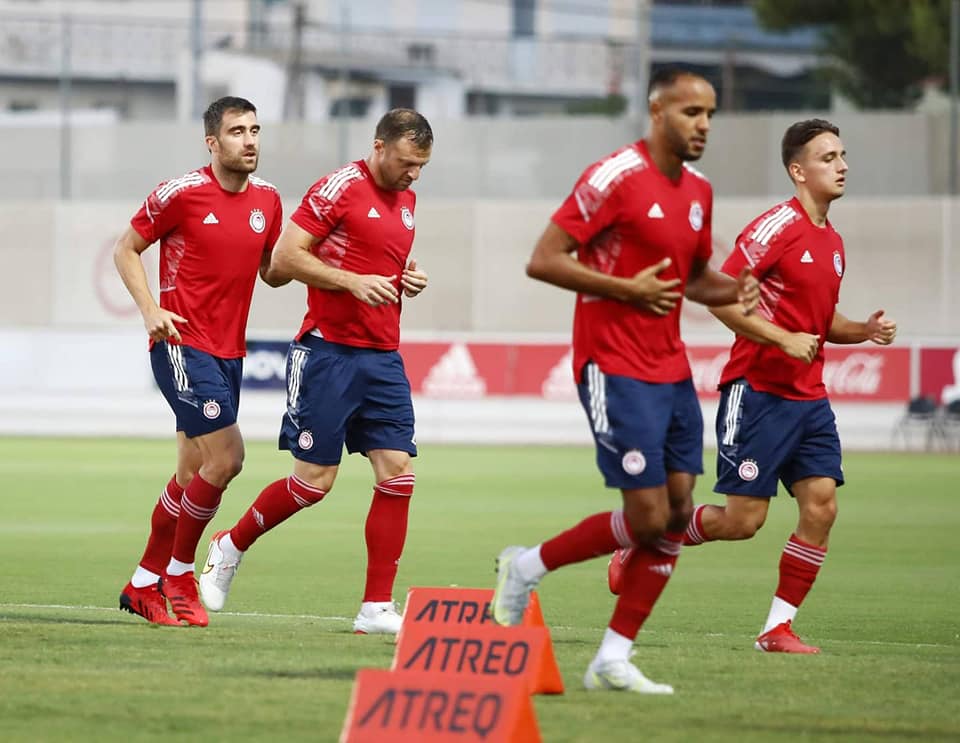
(474, 370)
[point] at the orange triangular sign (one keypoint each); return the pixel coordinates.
(485, 650)
(411, 707)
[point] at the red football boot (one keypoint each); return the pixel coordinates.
(147, 603)
(782, 639)
(181, 592)
(618, 563)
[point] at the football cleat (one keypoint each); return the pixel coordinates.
(181, 592)
(377, 618)
(621, 675)
(147, 603)
(782, 639)
(512, 593)
(217, 575)
(615, 568)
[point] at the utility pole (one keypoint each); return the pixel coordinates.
(954, 64)
(293, 104)
(643, 63)
(196, 44)
(66, 160)
(343, 117)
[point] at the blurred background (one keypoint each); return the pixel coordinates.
(100, 100)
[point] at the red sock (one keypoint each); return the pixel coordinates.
(695, 533)
(596, 535)
(799, 565)
(163, 525)
(645, 576)
(385, 532)
(276, 503)
(198, 506)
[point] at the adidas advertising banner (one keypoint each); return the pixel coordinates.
(461, 370)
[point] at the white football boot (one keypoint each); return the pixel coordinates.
(217, 574)
(512, 593)
(621, 675)
(377, 618)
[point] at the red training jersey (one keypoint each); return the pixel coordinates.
(627, 216)
(364, 229)
(211, 245)
(799, 266)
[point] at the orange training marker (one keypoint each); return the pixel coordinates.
(432, 707)
(459, 606)
(481, 650)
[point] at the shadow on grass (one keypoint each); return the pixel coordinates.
(327, 674)
(853, 731)
(41, 619)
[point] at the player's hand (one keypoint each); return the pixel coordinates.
(375, 290)
(803, 346)
(880, 330)
(653, 294)
(160, 324)
(748, 291)
(412, 280)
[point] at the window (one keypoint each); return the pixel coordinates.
(523, 17)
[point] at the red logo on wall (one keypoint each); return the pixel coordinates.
(459, 370)
(940, 373)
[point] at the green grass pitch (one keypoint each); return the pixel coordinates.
(280, 663)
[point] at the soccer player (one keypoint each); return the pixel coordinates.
(775, 420)
(640, 224)
(349, 242)
(216, 227)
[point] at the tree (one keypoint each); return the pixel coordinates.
(877, 53)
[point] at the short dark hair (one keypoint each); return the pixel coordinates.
(400, 123)
(665, 77)
(797, 135)
(213, 116)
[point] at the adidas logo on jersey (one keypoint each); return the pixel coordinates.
(211, 218)
(806, 257)
(655, 211)
(373, 213)
(665, 569)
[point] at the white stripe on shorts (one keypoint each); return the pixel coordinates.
(180, 379)
(731, 421)
(597, 391)
(298, 359)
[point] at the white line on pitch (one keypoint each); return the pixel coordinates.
(220, 613)
(261, 615)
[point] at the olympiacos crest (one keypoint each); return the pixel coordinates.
(696, 216)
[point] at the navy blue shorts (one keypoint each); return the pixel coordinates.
(642, 430)
(202, 390)
(762, 438)
(340, 395)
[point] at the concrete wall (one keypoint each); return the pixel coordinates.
(902, 256)
(891, 154)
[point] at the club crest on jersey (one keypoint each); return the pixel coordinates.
(633, 462)
(305, 440)
(748, 470)
(258, 222)
(211, 410)
(696, 216)
(838, 263)
(406, 217)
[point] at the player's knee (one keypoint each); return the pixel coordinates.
(185, 477)
(647, 522)
(680, 515)
(745, 527)
(223, 468)
(822, 514)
